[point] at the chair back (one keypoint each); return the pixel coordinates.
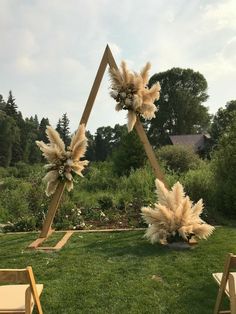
(23, 276)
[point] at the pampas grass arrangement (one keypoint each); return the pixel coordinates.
(63, 162)
(131, 93)
(174, 216)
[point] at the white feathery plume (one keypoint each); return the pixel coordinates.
(131, 93)
(61, 162)
(174, 214)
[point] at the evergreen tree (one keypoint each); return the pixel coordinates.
(2, 103)
(59, 127)
(9, 135)
(42, 128)
(129, 154)
(11, 107)
(65, 129)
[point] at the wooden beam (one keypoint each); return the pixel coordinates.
(95, 88)
(63, 241)
(52, 210)
(149, 150)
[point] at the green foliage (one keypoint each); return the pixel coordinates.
(27, 223)
(200, 183)
(178, 158)
(224, 165)
(180, 105)
(129, 154)
(63, 129)
(9, 136)
(13, 199)
(100, 176)
(222, 120)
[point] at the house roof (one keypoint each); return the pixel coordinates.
(196, 141)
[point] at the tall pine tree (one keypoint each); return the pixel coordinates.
(63, 129)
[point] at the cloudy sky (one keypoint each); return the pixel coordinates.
(51, 49)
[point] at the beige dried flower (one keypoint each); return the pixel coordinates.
(174, 214)
(63, 162)
(131, 93)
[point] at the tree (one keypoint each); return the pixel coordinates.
(222, 120)
(129, 154)
(42, 128)
(63, 129)
(11, 107)
(2, 103)
(224, 164)
(180, 108)
(9, 135)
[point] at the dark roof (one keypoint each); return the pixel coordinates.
(196, 141)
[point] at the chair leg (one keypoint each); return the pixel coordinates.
(218, 301)
(232, 294)
(28, 299)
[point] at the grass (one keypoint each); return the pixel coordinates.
(122, 273)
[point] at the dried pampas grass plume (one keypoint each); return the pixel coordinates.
(131, 93)
(61, 162)
(174, 215)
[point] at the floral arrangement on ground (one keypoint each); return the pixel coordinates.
(131, 93)
(174, 217)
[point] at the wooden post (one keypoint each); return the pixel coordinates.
(95, 87)
(52, 210)
(149, 150)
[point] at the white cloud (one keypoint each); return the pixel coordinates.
(50, 50)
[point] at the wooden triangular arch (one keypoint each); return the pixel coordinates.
(107, 60)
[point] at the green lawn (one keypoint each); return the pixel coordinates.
(122, 273)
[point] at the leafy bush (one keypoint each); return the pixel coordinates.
(178, 158)
(224, 166)
(200, 183)
(100, 176)
(27, 223)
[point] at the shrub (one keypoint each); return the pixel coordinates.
(14, 195)
(27, 223)
(178, 158)
(224, 166)
(100, 176)
(200, 183)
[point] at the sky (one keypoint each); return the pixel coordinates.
(51, 49)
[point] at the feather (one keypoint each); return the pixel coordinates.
(51, 176)
(79, 150)
(174, 213)
(131, 116)
(125, 73)
(116, 78)
(54, 138)
(69, 185)
(144, 73)
(198, 208)
(78, 136)
(51, 187)
(162, 192)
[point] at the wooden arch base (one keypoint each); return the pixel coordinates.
(107, 60)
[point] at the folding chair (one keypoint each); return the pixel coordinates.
(19, 298)
(226, 282)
